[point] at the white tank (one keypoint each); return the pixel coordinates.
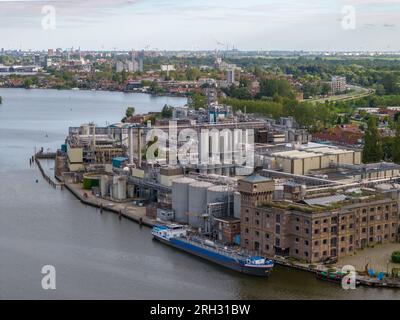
(198, 202)
(236, 204)
(217, 194)
(121, 188)
(180, 198)
(204, 147)
(104, 186)
(114, 191)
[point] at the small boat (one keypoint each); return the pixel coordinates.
(334, 277)
(179, 237)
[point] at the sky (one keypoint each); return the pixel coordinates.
(310, 25)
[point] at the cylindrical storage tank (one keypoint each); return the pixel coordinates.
(202, 168)
(180, 198)
(217, 194)
(198, 202)
(236, 204)
(115, 190)
(121, 187)
(104, 186)
(204, 147)
(90, 181)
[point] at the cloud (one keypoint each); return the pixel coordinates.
(22, 13)
(188, 23)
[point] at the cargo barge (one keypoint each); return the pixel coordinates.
(178, 237)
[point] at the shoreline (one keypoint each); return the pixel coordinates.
(169, 95)
(363, 281)
(121, 212)
(139, 216)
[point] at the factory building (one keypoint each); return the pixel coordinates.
(302, 161)
(87, 147)
(316, 229)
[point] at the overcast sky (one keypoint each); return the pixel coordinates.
(202, 24)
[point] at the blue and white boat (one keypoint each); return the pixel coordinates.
(178, 236)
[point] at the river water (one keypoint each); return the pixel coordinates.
(97, 256)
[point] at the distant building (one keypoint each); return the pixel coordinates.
(347, 134)
(338, 84)
(36, 60)
(230, 76)
(141, 61)
(167, 67)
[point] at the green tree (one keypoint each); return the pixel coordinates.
(193, 74)
(197, 101)
(166, 112)
(373, 150)
(306, 114)
(390, 82)
(130, 111)
(27, 83)
(272, 87)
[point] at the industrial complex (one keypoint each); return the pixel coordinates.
(292, 198)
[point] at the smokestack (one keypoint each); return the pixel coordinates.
(130, 145)
(139, 148)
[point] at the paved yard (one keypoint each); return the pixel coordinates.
(378, 258)
(126, 208)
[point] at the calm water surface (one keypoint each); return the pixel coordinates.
(98, 256)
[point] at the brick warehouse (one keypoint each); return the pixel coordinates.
(318, 229)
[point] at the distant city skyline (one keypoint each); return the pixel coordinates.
(202, 25)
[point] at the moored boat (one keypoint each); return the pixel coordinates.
(335, 277)
(179, 237)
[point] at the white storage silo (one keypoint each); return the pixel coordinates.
(198, 202)
(180, 198)
(114, 192)
(204, 147)
(121, 187)
(104, 186)
(217, 194)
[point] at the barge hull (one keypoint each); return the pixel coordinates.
(216, 258)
